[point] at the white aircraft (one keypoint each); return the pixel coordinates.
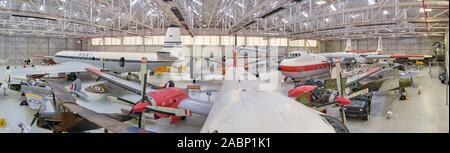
(77, 61)
(299, 65)
(242, 107)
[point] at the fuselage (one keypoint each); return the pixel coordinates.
(115, 61)
(242, 107)
(302, 65)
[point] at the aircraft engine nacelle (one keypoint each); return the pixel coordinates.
(122, 62)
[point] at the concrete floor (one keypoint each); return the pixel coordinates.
(424, 113)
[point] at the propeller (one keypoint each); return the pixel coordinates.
(36, 115)
(144, 69)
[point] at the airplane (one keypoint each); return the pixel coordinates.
(239, 107)
(243, 106)
(317, 97)
(169, 102)
(300, 65)
(75, 118)
(387, 79)
(72, 62)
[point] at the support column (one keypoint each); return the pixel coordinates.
(446, 40)
(48, 46)
(267, 56)
(121, 44)
(192, 60)
(103, 44)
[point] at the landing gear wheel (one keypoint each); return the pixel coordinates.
(319, 83)
(367, 116)
(151, 73)
(402, 90)
(72, 76)
(402, 97)
(170, 84)
(183, 118)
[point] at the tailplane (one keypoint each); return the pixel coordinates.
(379, 46)
(348, 47)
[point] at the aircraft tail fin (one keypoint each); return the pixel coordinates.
(76, 85)
(173, 37)
(380, 46)
(172, 48)
(348, 46)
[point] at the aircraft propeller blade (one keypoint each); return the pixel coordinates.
(36, 115)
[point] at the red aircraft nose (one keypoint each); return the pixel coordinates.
(140, 107)
(342, 101)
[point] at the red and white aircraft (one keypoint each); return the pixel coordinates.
(299, 65)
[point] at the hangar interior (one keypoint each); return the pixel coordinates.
(221, 35)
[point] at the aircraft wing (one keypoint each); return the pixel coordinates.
(398, 56)
(35, 96)
(390, 84)
(362, 76)
(134, 87)
(68, 101)
(66, 67)
(103, 120)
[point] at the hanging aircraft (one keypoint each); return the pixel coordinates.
(72, 62)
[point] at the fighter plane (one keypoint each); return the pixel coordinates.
(75, 118)
(72, 62)
(169, 102)
(384, 80)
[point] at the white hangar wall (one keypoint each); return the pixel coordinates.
(417, 45)
(15, 49)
